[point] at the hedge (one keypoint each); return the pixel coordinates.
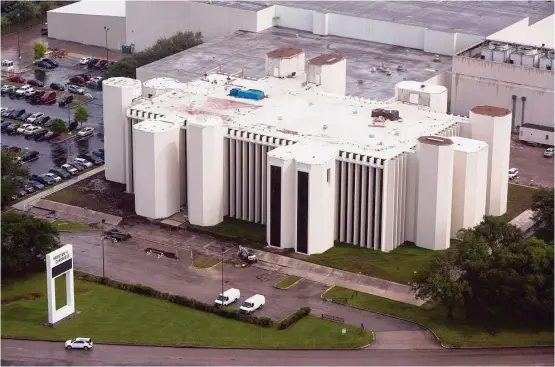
(294, 318)
(179, 300)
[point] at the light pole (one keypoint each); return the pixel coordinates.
(222, 275)
(102, 226)
(18, 29)
(106, 29)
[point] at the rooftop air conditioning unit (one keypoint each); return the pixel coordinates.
(501, 51)
(530, 56)
(546, 60)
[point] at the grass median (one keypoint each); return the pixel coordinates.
(111, 315)
(62, 225)
(453, 333)
(287, 282)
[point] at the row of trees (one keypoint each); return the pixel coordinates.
(492, 275)
(164, 47)
(28, 10)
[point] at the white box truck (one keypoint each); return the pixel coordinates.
(253, 303)
(228, 297)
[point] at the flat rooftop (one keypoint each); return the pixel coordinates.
(113, 8)
(243, 5)
(539, 34)
(472, 17)
(245, 51)
(298, 112)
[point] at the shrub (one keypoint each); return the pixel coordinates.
(294, 318)
(178, 300)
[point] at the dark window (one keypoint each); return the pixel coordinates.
(302, 212)
(339, 188)
(547, 137)
(275, 206)
(62, 268)
(328, 174)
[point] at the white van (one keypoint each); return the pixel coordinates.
(253, 303)
(229, 296)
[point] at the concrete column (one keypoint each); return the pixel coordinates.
(281, 157)
(205, 144)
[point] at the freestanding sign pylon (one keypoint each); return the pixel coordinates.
(60, 262)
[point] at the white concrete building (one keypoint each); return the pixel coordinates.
(314, 167)
(512, 69)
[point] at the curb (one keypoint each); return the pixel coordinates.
(190, 346)
(433, 333)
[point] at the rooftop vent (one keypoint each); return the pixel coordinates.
(392, 115)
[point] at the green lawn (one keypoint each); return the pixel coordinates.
(456, 333)
(204, 261)
(397, 265)
(519, 199)
(111, 315)
(235, 228)
(287, 282)
(61, 225)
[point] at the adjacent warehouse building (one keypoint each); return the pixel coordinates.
(513, 69)
(291, 151)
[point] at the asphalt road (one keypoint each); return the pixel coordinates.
(19, 352)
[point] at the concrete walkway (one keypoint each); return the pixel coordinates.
(25, 205)
(335, 277)
(76, 213)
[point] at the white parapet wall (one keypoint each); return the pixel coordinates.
(156, 172)
(118, 93)
(492, 125)
(205, 170)
(469, 183)
(435, 187)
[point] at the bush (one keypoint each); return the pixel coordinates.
(294, 318)
(59, 126)
(178, 300)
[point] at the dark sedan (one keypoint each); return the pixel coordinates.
(36, 185)
(60, 172)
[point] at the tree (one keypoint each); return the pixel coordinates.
(26, 10)
(495, 231)
(39, 50)
(81, 115)
(543, 209)
(164, 47)
(25, 242)
(59, 126)
(13, 177)
(441, 282)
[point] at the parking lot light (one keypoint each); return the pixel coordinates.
(106, 29)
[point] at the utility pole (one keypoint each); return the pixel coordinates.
(106, 29)
(18, 47)
(102, 226)
(222, 275)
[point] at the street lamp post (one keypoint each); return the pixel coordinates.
(222, 275)
(18, 29)
(106, 29)
(102, 226)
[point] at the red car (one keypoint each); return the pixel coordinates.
(77, 80)
(48, 97)
(35, 83)
(16, 79)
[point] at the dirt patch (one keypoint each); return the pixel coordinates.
(202, 261)
(21, 297)
(96, 193)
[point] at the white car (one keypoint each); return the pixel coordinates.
(86, 131)
(53, 176)
(79, 343)
(548, 152)
(34, 117)
(30, 92)
(513, 173)
(72, 170)
(31, 130)
(84, 60)
(22, 128)
(21, 91)
(84, 162)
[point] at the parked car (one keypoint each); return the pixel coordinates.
(85, 76)
(42, 179)
(7, 88)
(30, 156)
(48, 123)
(228, 297)
(78, 166)
(25, 116)
(99, 153)
(101, 64)
(36, 185)
(7, 112)
(16, 79)
(72, 126)
(548, 152)
(77, 80)
(86, 131)
(30, 131)
(51, 135)
(84, 162)
(5, 125)
(43, 120)
(247, 254)
(70, 169)
(71, 88)
(30, 189)
(91, 158)
(513, 173)
(95, 83)
(79, 343)
(35, 83)
(253, 303)
(22, 90)
(52, 176)
(45, 65)
(116, 236)
(65, 101)
(21, 129)
(60, 172)
(51, 62)
(84, 60)
(39, 135)
(92, 62)
(36, 99)
(49, 97)
(12, 129)
(44, 31)
(16, 114)
(34, 117)
(57, 86)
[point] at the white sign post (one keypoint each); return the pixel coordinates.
(60, 262)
